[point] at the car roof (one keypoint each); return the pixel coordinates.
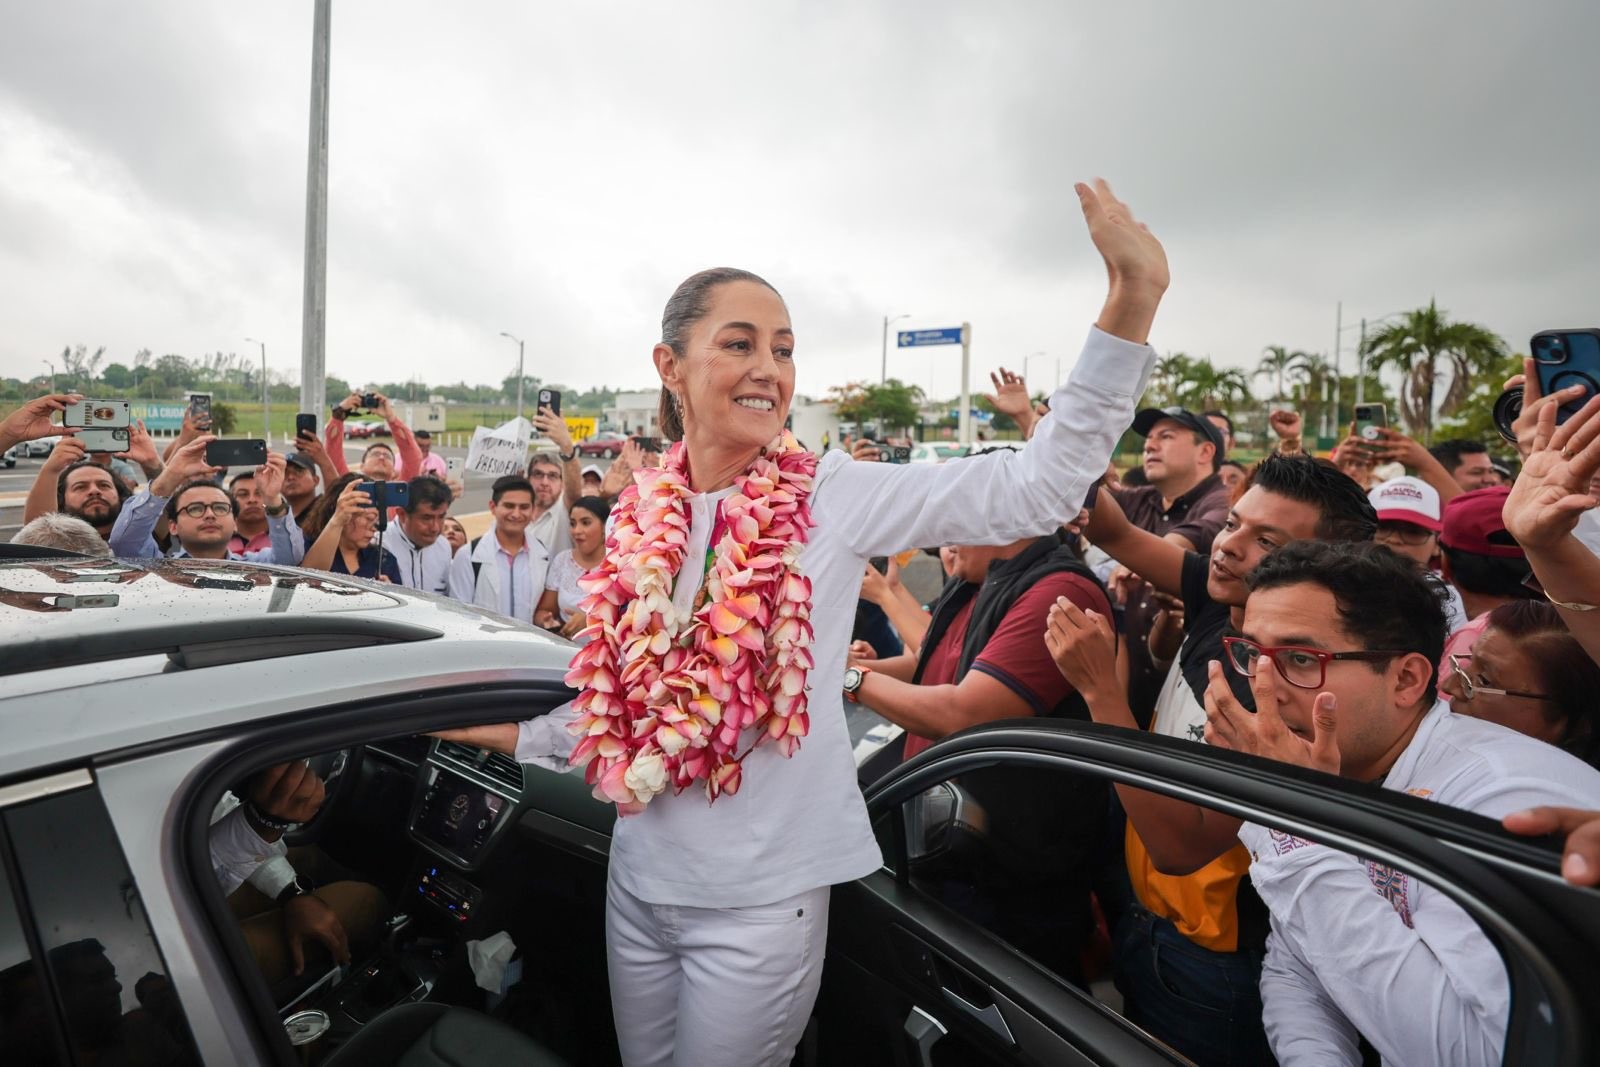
(161, 641)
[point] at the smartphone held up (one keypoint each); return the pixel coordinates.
(1561, 359)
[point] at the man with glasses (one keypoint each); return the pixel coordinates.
(549, 525)
(1188, 942)
(1339, 643)
(201, 515)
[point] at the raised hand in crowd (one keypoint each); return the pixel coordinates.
(1287, 425)
(186, 433)
(1083, 645)
(901, 608)
(42, 495)
(1353, 456)
(1136, 264)
(1166, 630)
(1526, 425)
(309, 444)
(184, 465)
(142, 450)
(31, 421)
(1392, 446)
(1553, 490)
(619, 475)
(1010, 397)
(1263, 732)
(269, 480)
(1580, 863)
(555, 428)
(1122, 585)
(865, 450)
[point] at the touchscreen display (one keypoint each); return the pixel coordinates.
(456, 813)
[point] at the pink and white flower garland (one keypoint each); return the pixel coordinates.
(664, 697)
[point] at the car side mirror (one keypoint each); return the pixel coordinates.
(944, 823)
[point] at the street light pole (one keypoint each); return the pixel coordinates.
(883, 375)
(508, 337)
(1025, 361)
(266, 404)
(52, 367)
(314, 298)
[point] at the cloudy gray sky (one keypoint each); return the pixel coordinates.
(555, 169)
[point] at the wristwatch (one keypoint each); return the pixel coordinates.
(339, 412)
(281, 509)
(853, 677)
(568, 457)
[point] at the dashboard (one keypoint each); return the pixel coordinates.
(465, 799)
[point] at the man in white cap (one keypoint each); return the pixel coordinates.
(1409, 521)
(592, 477)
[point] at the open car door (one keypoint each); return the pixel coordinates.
(912, 980)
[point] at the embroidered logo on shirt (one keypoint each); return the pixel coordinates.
(1393, 887)
(1287, 843)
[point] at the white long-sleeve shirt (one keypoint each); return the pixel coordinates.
(238, 854)
(800, 823)
(1360, 949)
(427, 569)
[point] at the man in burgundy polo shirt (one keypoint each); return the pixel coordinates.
(984, 659)
(1186, 502)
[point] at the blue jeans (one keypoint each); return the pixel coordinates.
(1205, 1004)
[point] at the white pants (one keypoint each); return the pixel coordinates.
(713, 987)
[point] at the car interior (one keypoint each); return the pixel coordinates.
(961, 950)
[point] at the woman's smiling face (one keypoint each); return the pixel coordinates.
(735, 376)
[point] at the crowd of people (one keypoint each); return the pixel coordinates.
(1420, 618)
(307, 508)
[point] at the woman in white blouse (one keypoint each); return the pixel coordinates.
(717, 911)
(558, 607)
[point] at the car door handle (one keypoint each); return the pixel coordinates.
(923, 1032)
(989, 1016)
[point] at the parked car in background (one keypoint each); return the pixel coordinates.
(937, 452)
(16, 452)
(363, 428)
(41, 446)
(607, 444)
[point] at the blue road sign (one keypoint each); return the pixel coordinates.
(918, 338)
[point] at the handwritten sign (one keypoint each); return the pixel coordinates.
(500, 451)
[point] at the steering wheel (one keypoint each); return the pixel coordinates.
(338, 770)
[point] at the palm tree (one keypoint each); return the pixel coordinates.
(1208, 387)
(1312, 373)
(1415, 344)
(1171, 371)
(1276, 362)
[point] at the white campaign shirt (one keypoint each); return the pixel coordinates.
(427, 569)
(509, 585)
(238, 854)
(1359, 949)
(800, 823)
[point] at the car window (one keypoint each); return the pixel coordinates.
(27, 1032)
(1042, 859)
(100, 956)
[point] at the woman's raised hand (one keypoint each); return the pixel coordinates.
(1133, 255)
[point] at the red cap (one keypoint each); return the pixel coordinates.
(1472, 523)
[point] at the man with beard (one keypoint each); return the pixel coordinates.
(202, 516)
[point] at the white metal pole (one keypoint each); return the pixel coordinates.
(1361, 363)
(964, 418)
(1338, 336)
(266, 402)
(314, 302)
(883, 371)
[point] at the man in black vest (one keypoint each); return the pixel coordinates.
(984, 659)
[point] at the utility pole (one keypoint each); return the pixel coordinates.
(266, 403)
(520, 375)
(964, 418)
(883, 375)
(1338, 340)
(314, 300)
(1361, 363)
(52, 367)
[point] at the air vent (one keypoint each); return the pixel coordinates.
(461, 753)
(503, 768)
(496, 766)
